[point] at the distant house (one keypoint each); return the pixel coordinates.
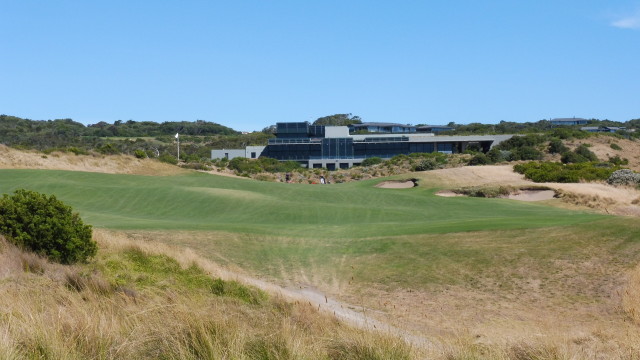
(608, 129)
(569, 121)
(433, 128)
(383, 128)
(250, 152)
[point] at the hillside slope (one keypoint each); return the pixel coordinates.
(11, 158)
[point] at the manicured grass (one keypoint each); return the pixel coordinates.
(344, 211)
(490, 261)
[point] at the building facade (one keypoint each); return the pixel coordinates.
(569, 121)
(333, 147)
(383, 128)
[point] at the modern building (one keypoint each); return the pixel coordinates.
(333, 147)
(383, 128)
(569, 121)
(433, 128)
(250, 152)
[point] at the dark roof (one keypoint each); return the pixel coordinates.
(434, 126)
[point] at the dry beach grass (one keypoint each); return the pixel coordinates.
(52, 311)
(114, 164)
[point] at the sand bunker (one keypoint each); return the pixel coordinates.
(402, 184)
(448, 193)
(532, 195)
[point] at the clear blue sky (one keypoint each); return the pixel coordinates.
(249, 64)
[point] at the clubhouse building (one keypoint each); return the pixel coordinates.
(338, 147)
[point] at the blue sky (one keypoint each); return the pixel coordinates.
(249, 64)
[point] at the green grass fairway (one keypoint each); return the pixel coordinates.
(349, 211)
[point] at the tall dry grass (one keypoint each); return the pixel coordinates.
(631, 296)
(74, 312)
(51, 311)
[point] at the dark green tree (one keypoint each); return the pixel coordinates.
(45, 225)
(338, 120)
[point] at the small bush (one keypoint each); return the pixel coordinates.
(426, 164)
(495, 155)
(583, 150)
(616, 160)
(525, 153)
(195, 166)
(556, 146)
(264, 164)
(46, 226)
(169, 159)
(615, 146)
(565, 173)
(140, 154)
(371, 161)
(516, 142)
(572, 158)
(108, 149)
(480, 159)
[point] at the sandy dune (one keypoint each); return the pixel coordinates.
(113, 164)
(599, 196)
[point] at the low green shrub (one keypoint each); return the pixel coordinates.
(169, 159)
(556, 146)
(480, 159)
(46, 226)
(524, 153)
(565, 173)
(264, 164)
(571, 157)
(371, 161)
(615, 146)
(583, 150)
(616, 160)
(140, 154)
(195, 166)
(516, 142)
(108, 149)
(496, 155)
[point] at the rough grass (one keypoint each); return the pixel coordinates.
(57, 314)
